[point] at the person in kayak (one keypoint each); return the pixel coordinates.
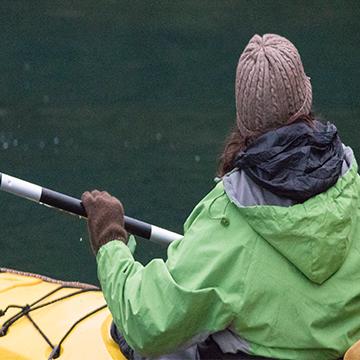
(269, 263)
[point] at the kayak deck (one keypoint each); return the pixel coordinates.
(72, 314)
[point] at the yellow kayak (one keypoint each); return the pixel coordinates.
(42, 318)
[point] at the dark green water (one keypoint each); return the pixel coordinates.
(135, 97)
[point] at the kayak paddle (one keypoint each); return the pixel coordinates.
(74, 206)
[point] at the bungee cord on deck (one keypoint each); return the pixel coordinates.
(26, 309)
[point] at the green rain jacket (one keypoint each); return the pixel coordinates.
(271, 280)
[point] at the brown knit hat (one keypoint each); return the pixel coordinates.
(271, 86)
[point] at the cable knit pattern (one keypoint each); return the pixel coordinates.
(271, 87)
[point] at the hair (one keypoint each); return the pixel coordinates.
(236, 142)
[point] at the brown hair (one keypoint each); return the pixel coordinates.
(236, 142)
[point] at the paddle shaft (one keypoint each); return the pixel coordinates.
(74, 206)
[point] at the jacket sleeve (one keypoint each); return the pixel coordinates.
(164, 306)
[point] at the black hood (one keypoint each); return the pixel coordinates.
(297, 161)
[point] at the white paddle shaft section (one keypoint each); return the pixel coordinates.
(163, 236)
(20, 187)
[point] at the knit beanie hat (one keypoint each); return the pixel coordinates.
(271, 86)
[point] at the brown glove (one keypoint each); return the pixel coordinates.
(105, 218)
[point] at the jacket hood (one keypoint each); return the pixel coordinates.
(297, 161)
(313, 235)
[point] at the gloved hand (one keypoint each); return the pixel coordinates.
(105, 218)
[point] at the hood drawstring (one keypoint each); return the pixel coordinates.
(224, 220)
